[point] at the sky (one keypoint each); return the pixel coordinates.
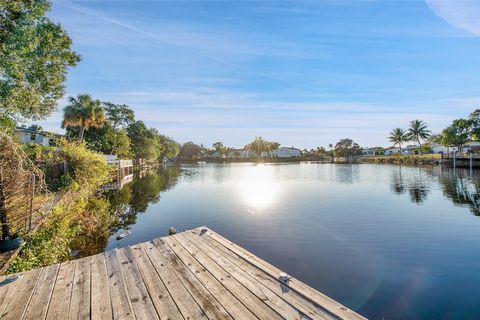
(303, 73)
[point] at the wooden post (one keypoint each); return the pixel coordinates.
(3, 209)
(471, 160)
(32, 195)
(454, 158)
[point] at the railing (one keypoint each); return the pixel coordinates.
(21, 202)
(461, 155)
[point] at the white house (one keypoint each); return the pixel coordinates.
(472, 146)
(437, 148)
(394, 150)
(282, 152)
(371, 152)
(241, 153)
(286, 152)
(28, 136)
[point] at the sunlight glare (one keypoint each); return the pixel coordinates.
(258, 187)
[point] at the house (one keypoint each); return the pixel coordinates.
(29, 136)
(371, 152)
(286, 152)
(241, 154)
(282, 152)
(472, 146)
(212, 154)
(394, 150)
(439, 149)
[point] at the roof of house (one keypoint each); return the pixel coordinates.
(23, 129)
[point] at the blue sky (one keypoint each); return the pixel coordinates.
(303, 73)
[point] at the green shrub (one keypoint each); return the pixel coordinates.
(75, 220)
(87, 169)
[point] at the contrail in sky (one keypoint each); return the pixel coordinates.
(98, 15)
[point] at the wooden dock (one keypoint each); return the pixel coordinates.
(195, 274)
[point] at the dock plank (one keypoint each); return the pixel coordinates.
(38, 306)
(137, 291)
(62, 291)
(236, 289)
(80, 299)
(121, 305)
(185, 302)
(21, 296)
(210, 306)
(101, 306)
(7, 289)
(163, 302)
(231, 304)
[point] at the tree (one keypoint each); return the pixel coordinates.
(145, 143)
(457, 134)
(272, 146)
(346, 148)
(122, 145)
(170, 148)
(190, 151)
(474, 119)
(83, 112)
(434, 138)
(119, 115)
(418, 131)
(397, 137)
(258, 145)
(34, 56)
(218, 146)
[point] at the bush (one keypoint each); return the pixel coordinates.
(87, 169)
(76, 218)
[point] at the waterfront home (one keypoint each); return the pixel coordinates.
(439, 149)
(282, 152)
(395, 150)
(240, 154)
(472, 146)
(285, 152)
(29, 136)
(371, 152)
(212, 154)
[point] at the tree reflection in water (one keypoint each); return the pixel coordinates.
(412, 181)
(459, 185)
(135, 197)
(462, 187)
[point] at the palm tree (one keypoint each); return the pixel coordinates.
(418, 131)
(258, 145)
(398, 136)
(83, 112)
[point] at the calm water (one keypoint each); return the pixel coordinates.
(388, 241)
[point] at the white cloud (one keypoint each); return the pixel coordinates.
(464, 14)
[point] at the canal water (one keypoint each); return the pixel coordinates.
(391, 242)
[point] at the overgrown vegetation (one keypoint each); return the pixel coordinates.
(75, 220)
(403, 159)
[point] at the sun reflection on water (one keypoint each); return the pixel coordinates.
(258, 187)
